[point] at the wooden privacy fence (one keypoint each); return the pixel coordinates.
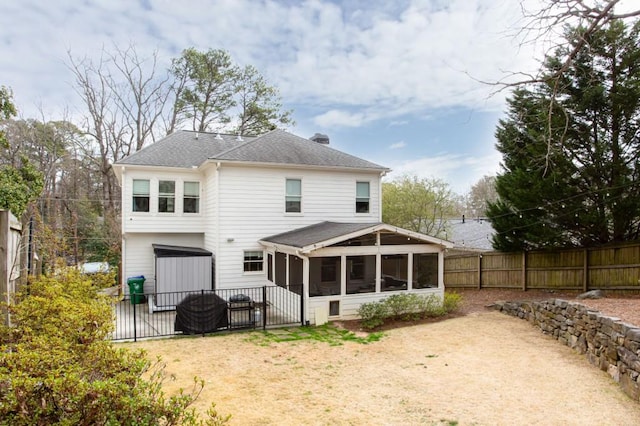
(605, 268)
(10, 234)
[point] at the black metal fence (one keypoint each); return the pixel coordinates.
(140, 316)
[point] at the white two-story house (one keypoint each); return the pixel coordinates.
(275, 210)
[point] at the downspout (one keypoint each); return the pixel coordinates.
(123, 233)
(217, 225)
(382, 174)
(378, 264)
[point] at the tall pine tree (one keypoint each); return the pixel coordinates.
(571, 149)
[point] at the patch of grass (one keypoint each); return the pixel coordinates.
(327, 333)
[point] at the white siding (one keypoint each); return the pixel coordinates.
(252, 201)
(153, 221)
(239, 205)
(209, 206)
(138, 257)
(350, 304)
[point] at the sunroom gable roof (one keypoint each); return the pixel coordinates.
(324, 234)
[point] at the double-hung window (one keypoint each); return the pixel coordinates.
(293, 196)
(253, 261)
(166, 196)
(191, 197)
(362, 197)
(140, 195)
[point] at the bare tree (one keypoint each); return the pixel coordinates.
(547, 22)
(481, 193)
(102, 122)
(141, 96)
(125, 99)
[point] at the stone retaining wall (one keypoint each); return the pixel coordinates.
(608, 343)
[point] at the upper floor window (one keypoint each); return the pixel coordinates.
(253, 261)
(191, 197)
(140, 195)
(166, 196)
(362, 197)
(293, 196)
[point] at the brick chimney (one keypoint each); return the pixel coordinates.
(320, 138)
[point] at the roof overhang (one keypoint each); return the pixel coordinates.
(218, 162)
(277, 243)
(120, 169)
(163, 250)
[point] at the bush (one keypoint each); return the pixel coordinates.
(451, 302)
(373, 314)
(57, 366)
(407, 307)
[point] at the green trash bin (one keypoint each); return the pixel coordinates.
(136, 289)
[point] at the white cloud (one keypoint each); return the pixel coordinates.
(398, 145)
(341, 118)
(459, 171)
(382, 60)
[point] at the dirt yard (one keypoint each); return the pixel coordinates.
(479, 368)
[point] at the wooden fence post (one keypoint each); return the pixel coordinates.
(524, 270)
(479, 271)
(585, 271)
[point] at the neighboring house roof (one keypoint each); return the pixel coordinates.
(471, 234)
(324, 234)
(191, 149)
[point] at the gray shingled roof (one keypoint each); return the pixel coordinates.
(183, 149)
(314, 234)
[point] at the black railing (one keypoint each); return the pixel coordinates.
(140, 316)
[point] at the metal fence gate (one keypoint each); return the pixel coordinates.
(140, 316)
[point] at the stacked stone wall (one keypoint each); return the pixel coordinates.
(608, 343)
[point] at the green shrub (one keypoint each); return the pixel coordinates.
(452, 302)
(407, 307)
(57, 366)
(373, 314)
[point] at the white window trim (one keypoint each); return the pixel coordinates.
(300, 213)
(182, 197)
(244, 261)
(175, 198)
(368, 198)
(150, 184)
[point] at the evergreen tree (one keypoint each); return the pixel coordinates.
(571, 148)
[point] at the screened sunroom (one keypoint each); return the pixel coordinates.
(342, 265)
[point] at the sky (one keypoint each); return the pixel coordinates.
(398, 83)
